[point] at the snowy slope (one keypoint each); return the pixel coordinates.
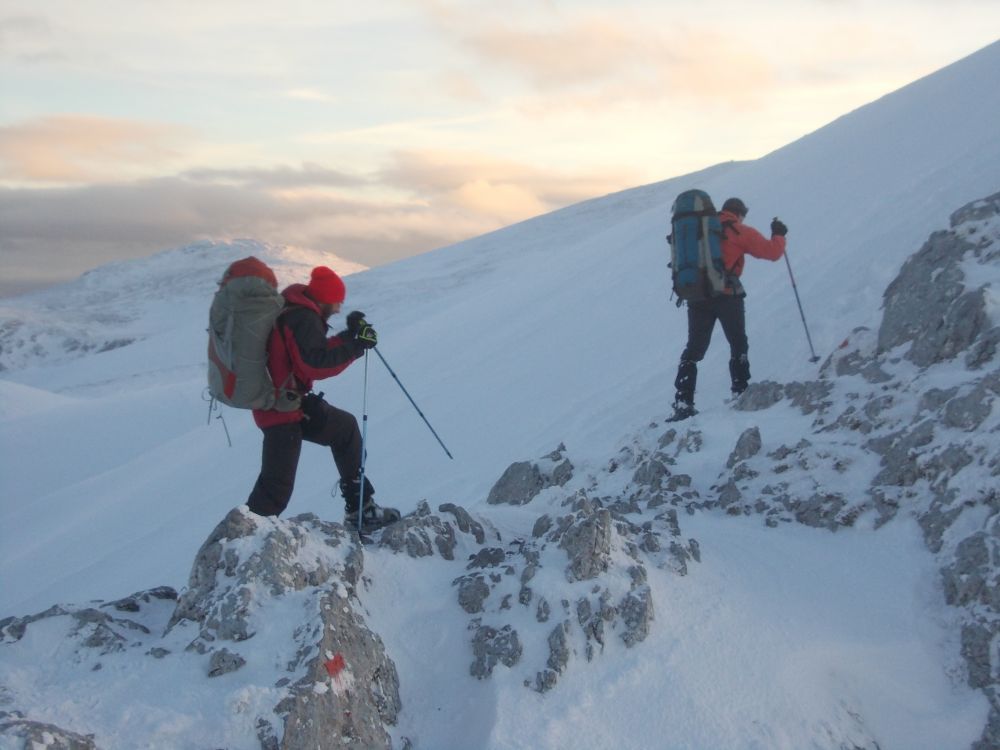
(558, 329)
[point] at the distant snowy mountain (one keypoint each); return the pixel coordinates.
(111, 306)
(814, 567)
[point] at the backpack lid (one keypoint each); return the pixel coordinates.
(250, 266)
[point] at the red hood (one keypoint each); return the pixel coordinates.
(725, 216)
(296, 295)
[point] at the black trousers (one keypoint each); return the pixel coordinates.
(323, 425)
(728, 310)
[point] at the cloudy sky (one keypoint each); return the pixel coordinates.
(382, 129)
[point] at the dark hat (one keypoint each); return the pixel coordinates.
(736, 206)
(326, 286)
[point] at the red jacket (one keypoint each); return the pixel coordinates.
(740, 240)
(299, 353)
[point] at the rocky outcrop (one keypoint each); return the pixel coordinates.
(936, 304)
(271, 610)
(17, 731)
(934, 449)
(342, 682)
(521, 482)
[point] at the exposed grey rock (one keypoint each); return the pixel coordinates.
(542, 526)
(976, 211)
(651, 473)
(266, 735)
(108, 628)
(247, 559)
(522, 481)
(899, 454)
(855, 357)
(487, 557)
(748, 446)
(636, 611)
(491, 647)
(760, 395)
(356, 703)
(135, 602)
(588, 545)
(518, 485)
(222, 587)
(977, 642)
(729, 495)
(984, 350)
(559, 653)
(810, 396)
(35, 734)
(990, 739)
(562, 473)
(973, 576)
(592, 621)
(961, 324)
(472, 592)
(466, 523)
(421, 533)
(929, 306)
(223, 662)
(821, 510)
(940, 515)
(935, 398)
(691, 442)
(969, 411)
(918, 298)
(678, 482)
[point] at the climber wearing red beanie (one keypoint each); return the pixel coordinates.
(326, 286)
(299, 353)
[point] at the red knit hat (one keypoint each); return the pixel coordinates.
(326, 286)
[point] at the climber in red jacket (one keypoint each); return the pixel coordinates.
(299, 353)
(738, 241)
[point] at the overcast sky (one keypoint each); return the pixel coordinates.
(383, 129)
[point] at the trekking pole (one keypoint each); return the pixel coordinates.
(364, 449)
(814, 357)
(426, 422)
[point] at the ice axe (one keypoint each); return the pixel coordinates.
(814, 357)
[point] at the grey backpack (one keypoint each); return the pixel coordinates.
(243, 313)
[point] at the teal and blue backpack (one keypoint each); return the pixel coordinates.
(696, 248)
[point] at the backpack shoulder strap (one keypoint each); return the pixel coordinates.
(729, 226)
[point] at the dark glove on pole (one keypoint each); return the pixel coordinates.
(354, 322)
(367, 336)
(778, 227)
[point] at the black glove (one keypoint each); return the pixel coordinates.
(778, 227)
(367, 336)
(354, 322)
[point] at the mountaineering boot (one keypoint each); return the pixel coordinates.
(739, 372)
(682, 410)
(373, 517)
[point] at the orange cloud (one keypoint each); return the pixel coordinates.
(495, 190)
(603, 60)
(581, 53)
(82, 148)
(441, 197)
